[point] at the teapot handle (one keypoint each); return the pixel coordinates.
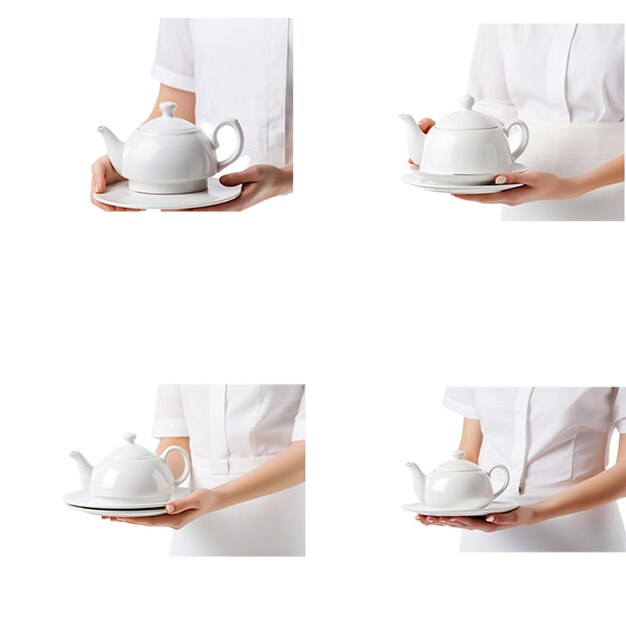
(236, 126)
(506, 482)
(183, 452)
(525, 136)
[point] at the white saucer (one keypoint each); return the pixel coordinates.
(83, 500)
(118, 194)
(121, 512)
(498, 506)
(463, 180)
(414, 178)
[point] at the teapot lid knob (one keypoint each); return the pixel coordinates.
(168, 108)
(130, 437)
(458, 454)
(466, 102)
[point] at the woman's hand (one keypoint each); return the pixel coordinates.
(260, 182)
(491, 523)
(425, 125)
(103, 174)
(537, 186)
(180, 512)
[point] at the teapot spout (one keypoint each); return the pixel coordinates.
(84, 469)
(415, 138)
(418, 480)
(115, 148)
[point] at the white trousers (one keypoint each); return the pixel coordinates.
(568, 150)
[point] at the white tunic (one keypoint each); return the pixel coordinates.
(567, 82)
(549, 438)
(240, 68)
(233, 429)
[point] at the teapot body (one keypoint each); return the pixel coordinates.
(168, 163)
(458, 490)
(483, 151)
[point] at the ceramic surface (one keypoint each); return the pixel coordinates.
(131, 475)
(84, 500)
(169, 154)
(501, 506)
(462, 180)
(464, 142)
(417, 181)
(118, 194)
(457, 484)
(121, 512)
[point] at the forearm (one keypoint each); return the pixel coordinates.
(285, 470)
(609, 173)
(603, 488)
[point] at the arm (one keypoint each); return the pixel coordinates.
(285, 470)
(471, 439)
(546, 186)
(102, 172)
(600, 489)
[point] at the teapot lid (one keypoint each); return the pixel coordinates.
(167, 123)
(130, 450)
(466, 119)
(457, 464)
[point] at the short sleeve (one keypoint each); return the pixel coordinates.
(174, 61)
(487, 82)
(298, 426)
(462, 400)
(619, 410)
(169, 415)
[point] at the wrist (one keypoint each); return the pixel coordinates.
(539, 513)
(574, 187)
(285, 178)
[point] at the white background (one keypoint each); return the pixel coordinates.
(373, 293)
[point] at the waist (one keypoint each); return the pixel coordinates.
(595, 142)
(227, 467)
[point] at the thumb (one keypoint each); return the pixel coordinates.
(184, 504)
(519, 177)
(233, 179)
(502, 518)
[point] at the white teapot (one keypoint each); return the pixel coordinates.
(465, 142)
(169, 154)
(130, 475)
(456, 484)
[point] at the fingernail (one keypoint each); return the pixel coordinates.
(169, 508)
(490, 518)
(500, 180)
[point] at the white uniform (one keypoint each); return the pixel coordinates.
(240, 68)
(549, 438)
(566, 81)
(233, 429)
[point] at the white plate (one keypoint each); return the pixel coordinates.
(498, 506)
(414, 179)
(120, 512)
(118, 194)
(462, 180)
(85, 501)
